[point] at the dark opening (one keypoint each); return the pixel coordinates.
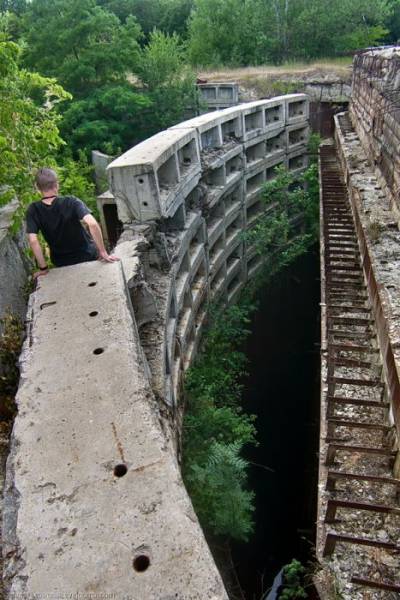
(113, 224)
(98, 351)
(321, 116)
(141, 563)
(94, 313)
(120, 470)
(92, 283)
(282, 389)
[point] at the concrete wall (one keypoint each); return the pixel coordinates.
(193, 189)
(217, 96)
(94, 498)
(374, 110)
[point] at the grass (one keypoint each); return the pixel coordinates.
(336, 66)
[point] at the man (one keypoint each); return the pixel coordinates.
(60, 218)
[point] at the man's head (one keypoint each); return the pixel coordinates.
(46, 180)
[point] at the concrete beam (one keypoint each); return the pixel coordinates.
(94, 499)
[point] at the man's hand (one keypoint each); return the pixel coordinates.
(95, 232)
(38, 274)
(108, 257)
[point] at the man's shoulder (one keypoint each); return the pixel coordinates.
(32, 207)
(68, 199)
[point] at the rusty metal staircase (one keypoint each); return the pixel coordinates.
(361, 501)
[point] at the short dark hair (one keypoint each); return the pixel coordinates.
(46, 179)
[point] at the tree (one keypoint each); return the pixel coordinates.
(220, 32)
(169, 81)
(169, 16)
(111, 119)
(80, 43)
(29, 135)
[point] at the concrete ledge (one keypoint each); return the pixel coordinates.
(74, 523)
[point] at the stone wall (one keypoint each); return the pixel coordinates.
(374, 110)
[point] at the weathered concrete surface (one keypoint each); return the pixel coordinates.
(70, 524)
(14, 266)
(374, 111)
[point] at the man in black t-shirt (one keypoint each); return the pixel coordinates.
(60, 218)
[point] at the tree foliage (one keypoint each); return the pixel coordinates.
(29, 135)
(90, 47)
(122, 92)
(262, 31)
(216, 430)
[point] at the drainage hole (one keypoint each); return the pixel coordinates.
(98, 351)
(92, 283)
(94, 313)
(120, 470)
(141, 563)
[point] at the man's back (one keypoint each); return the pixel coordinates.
(60, 224)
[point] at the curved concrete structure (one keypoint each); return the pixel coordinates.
(94, 499)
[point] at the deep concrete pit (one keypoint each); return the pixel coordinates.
(282, 389)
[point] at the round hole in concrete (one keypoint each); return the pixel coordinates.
(140, 180)
(145, 203)
(141, 563)
(92, 283)
(98, 351)
(94, 313)
(120, 470)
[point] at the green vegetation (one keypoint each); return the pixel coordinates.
(10, 348)
(215, 427)
(232, 32)
(290, 223)
(106, 74)
(293, 577)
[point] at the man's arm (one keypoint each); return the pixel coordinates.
(38, 253)
(97, 236)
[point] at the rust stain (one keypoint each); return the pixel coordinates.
(118, 442)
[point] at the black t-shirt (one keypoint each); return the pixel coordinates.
(60, 224)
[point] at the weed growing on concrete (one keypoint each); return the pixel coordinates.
(374, 231)
(10, 348)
